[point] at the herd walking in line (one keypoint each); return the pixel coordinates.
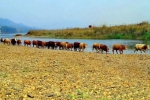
(77, 46)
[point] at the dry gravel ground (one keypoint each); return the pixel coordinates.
(28, 73)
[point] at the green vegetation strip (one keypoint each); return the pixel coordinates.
(132, 31)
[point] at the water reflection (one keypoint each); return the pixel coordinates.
(109, 42)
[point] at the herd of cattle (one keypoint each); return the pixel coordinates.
(77, 46)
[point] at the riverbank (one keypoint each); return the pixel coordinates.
(32, 73)
(139, 31)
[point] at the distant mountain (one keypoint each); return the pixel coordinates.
(8, 26)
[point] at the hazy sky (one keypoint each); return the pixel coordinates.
(57, 14)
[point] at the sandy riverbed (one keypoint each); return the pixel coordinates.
(41, 74)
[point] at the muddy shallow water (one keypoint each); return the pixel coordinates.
(44, 74)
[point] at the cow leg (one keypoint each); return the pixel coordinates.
(141, 51)
(82, 50)
(144, 51)
(102, 51)
(117, 51)
(96, 50)
(121, 51)
(136, 51)
(78, 49)
(113, 51)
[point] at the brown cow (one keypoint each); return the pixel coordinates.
(57, 43)
(96, 46)
(34, 42)
(119, 47)
(141, 47)
(69, 46)
(7, 41)
(82, 46)
(39, 44)
(27, 42)
(19, 42)
(44, 44)
(63, 45)
(104, 48)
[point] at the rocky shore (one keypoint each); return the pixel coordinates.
(28, 73)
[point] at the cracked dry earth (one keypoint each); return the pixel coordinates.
(28, 73)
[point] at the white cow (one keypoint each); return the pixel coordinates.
(141, 47)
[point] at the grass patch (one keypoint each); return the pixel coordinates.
(4, 75)
(79, 95)
(26, 69)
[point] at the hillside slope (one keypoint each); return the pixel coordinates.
(8, 26)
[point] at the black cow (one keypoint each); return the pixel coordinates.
(13, 41)
(76, 45)
(51, 44)
(2, 40)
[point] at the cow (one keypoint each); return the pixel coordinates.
(82, 46)
(13, 41)
(19, 42)
(34, 42)
(57, 43)
(63, 45)
(141, 47)
(44, 44)
(7, 41)
(103, 47)
(39, 44)
(90, 26)
(2, 40)
(27, 42)
(96, 46)
(119, 47)
(76, 45)
(51, 44)
(69, 46)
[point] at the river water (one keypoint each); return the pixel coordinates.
(109, 42)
